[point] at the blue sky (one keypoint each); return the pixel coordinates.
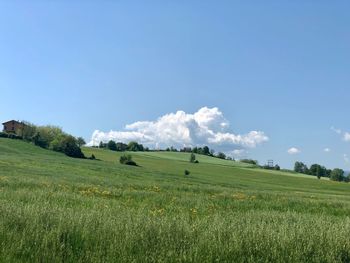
(279, 67)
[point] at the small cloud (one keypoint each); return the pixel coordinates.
(346, 158)
(346, 137)
(293, 150)
(338, 131)
(327, 150)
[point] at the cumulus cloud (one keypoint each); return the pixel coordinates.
(327, 150)
(293, 150)
(207, 126)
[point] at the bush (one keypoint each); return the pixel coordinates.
(10, 136)
(127, 159)
(187, 172)
(70, 147)
(38, 140)
(93, 157)
(192, 158)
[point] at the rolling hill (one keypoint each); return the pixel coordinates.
(59, 209)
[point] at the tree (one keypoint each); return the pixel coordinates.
(221, 155)
(121, 147)
(111, 145)
(27, 131)
(206, 150)
(68, 145)
(38, 140)
(337, 175)
(277, 167)
(300, 167)
(81, 141)
(135, 147)
(101, 145)
(192, 158)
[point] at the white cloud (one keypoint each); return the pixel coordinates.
(338, 131)
(327, 150)
(239, 152)
(346, 158)
(294, 150)
(346, 136)
(207, 126)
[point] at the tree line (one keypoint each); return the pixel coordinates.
(137, 147)
(321, 171)
(49, 137)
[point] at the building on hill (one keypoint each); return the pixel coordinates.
(12, 126)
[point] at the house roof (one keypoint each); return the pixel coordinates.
(10, 121)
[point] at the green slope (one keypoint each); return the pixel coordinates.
(55, 208)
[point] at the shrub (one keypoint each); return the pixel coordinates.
(93, 157)
(70, 147)
(127, 159)
(192, 158)
(187, 172)
(10, 136)
(38, 140)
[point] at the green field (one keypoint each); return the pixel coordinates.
(57, 209)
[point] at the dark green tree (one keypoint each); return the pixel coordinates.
(337, 175)
(221, 155)
(111, 145)
(121, 147)
(206, 150)
(135, 147)
(81, 142)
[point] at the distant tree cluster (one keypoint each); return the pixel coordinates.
(321, 171)
(122, 147)
(137, 147)
(249, 161)
(275, 167)
(52, 138)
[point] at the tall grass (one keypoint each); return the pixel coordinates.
(57, 209)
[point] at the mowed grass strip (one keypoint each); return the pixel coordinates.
(59, 209)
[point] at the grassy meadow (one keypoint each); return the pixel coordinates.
(58, 209)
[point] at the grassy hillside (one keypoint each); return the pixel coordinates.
(55, 208)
